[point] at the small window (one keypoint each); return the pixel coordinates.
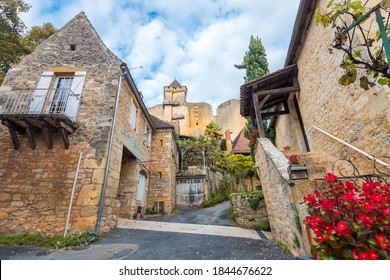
(72, 47)
(161, 142)
(160, 174)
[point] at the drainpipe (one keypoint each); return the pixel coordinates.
(109, 156)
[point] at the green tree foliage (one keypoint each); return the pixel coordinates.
(11, 30)
(37, 35)
(240, 165)
(205, 149)
(255, 60)
(213, 133)
(14, 41)
(362, 46)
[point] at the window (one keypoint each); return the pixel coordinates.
(133, 115)
(60, 94)
(161, 142)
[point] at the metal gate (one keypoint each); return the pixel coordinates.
(190, 191)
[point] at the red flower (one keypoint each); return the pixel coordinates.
(381, 241)
(377, 197)
(341, 228)
(316, 219)
(354, 254)
(363, 256)
(326, 204)
(293, 159)
(330, 177)
(372, 254)
(350, 186)
(387, 211)
(308, 220)
(367, 186)
(309, 199)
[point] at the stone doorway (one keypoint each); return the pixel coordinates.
(127, 189)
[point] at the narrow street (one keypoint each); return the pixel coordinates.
(192, 234)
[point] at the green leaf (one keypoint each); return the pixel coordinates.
(347, 253)
(383, 81)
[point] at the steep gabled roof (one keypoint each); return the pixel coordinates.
(160, 124)
(241, 144)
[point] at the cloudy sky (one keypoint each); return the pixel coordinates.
(195, 41)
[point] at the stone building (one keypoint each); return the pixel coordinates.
(192, 118)
(164, 161)
(309, 101)
(73, 95)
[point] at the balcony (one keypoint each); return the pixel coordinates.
(171, 103)
(47, 111)
(177, 117)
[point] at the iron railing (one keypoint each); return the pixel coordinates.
(35, 101)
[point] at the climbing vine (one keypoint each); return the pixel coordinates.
(362, 45)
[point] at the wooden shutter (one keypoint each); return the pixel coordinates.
(40, 93)
(74, 98)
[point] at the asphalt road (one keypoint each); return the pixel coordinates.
(156, 244)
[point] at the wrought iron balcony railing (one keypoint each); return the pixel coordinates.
(42, 110)
(39, 101)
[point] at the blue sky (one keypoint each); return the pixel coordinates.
(196, 42)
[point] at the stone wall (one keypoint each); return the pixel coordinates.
(228, 117)
(36, 184)
(359, 117)
(246, 216)
(281, 208)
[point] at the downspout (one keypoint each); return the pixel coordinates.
(109, 156)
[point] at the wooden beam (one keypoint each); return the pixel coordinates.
(260, 126)
(277, 113)
(277, 91)
(64, 135)
(28, 127)
(15, 126)
(67, 127)
(273, 103)
(301, 123)
(47, 135)
(14, 137)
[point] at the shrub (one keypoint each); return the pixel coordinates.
(350, 222)
(262, 226)
(71, 240)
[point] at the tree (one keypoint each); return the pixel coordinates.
(11, 30)
(256, 65)
(241, 166)
(37, 35)
(255, 60)
(14, 43)
(213, 133)
(362, 46)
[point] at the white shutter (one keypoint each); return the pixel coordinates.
(150, 138)
(74, 98)
(40, 93)
(133, 114)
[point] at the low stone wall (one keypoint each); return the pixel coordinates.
(246, 216)
(282, 211)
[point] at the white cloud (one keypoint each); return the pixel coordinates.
(196, 42)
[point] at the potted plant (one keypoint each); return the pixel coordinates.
(350, 222)
(296, 170)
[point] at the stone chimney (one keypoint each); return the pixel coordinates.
(229, 145)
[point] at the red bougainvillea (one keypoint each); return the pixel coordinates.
(349, 221)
